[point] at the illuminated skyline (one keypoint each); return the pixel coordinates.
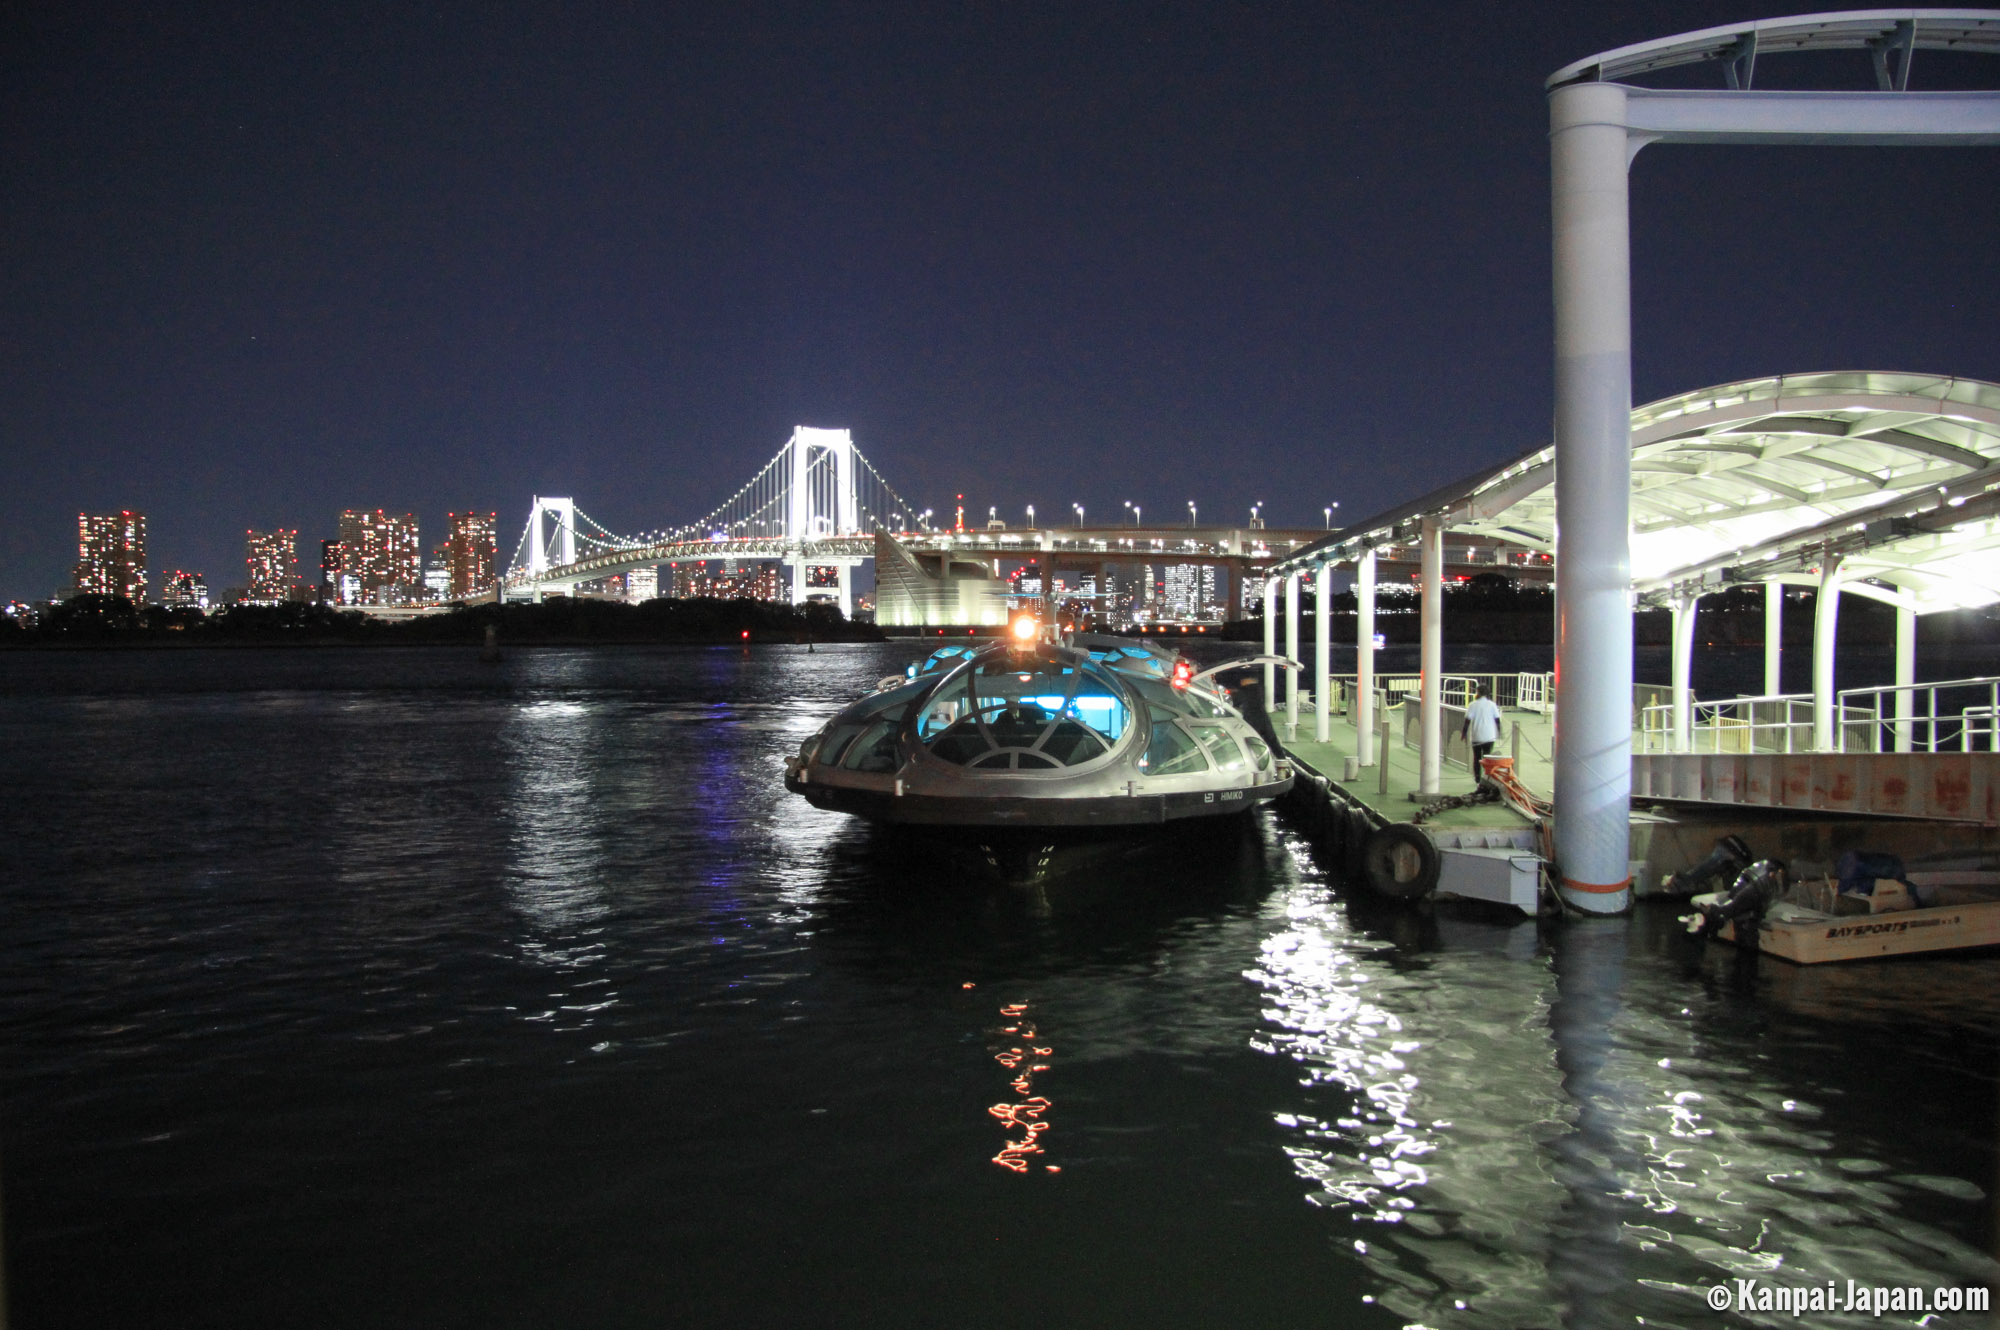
(1039, 255)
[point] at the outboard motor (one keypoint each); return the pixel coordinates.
(1728, 859)
(1743, 905)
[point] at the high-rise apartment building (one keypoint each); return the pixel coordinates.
(382, 553)
(188, 590)
(332, 561)
(642, 584)
(273, 560)
(111, 555)
(1189, 592)
(470, 552)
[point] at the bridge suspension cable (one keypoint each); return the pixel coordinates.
(844, 494)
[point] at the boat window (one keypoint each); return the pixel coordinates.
(1162, 699)
(1171, 752)
(1202, 704)
(941, 659)
(875, 750)
(946, 707)
(1137, 662)
(1222, 747)
(1260, 752)
(838, 735)
(1049, 712)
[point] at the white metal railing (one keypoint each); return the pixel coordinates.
(1949, 715)
(1779, 723)
(1534, 692)
(1953, 715)
(1454, 690)
(1979, 721)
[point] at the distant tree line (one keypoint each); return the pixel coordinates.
(93, 620)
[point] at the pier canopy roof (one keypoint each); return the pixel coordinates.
(1881, 32)
(1898, 474)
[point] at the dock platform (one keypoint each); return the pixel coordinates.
(1492, 852)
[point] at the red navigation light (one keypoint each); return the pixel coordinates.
(746, 634)
(1183, 673)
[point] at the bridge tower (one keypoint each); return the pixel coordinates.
(542, 552)
(821, 501)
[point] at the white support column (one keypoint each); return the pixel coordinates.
(1322, 650)
(1364, 658)
(846, 573)
(798, 511)
(1589, 153)
(1685, 607)
(1430, 748)
(1292, 651)
(847, 505)
(1826, 621)
(799, 579)
(1906, 674)
(1774, 637)
(1270, 640)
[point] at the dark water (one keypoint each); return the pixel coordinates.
(383, 988)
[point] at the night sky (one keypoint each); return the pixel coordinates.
(265, 263)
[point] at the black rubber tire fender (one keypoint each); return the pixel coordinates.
(1400, 862)
(1354, 833)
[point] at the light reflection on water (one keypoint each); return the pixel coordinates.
(556, 870)
(552, 941)
(1428, 1092)
(1541, 1134)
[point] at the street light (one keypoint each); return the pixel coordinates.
(1079, 513)
(1255, 522)
(1191, 513)
(1135, 511)
(1329, 514)
(1031, 514)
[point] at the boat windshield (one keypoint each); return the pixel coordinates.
(940, 660)
(1139, 659)
(863, 737)
(1164, 699)
(1035, 712)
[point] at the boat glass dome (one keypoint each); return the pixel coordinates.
(1026, 712)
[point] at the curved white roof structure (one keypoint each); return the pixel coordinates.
(1883, 32)
(1756, 481)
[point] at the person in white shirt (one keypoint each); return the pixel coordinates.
(1481, 729)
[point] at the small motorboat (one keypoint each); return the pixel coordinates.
(1041, 732)
(1859, 917)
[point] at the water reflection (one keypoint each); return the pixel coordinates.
(1428, 1093)
(1028, 1113)
(555, 831)
(1595, 1132)
(1702, 1156)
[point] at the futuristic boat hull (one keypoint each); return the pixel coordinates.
(1092, 733)
(1135, 810)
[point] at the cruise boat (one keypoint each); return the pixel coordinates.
(1044, 733)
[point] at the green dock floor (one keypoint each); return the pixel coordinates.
(1535, 768)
